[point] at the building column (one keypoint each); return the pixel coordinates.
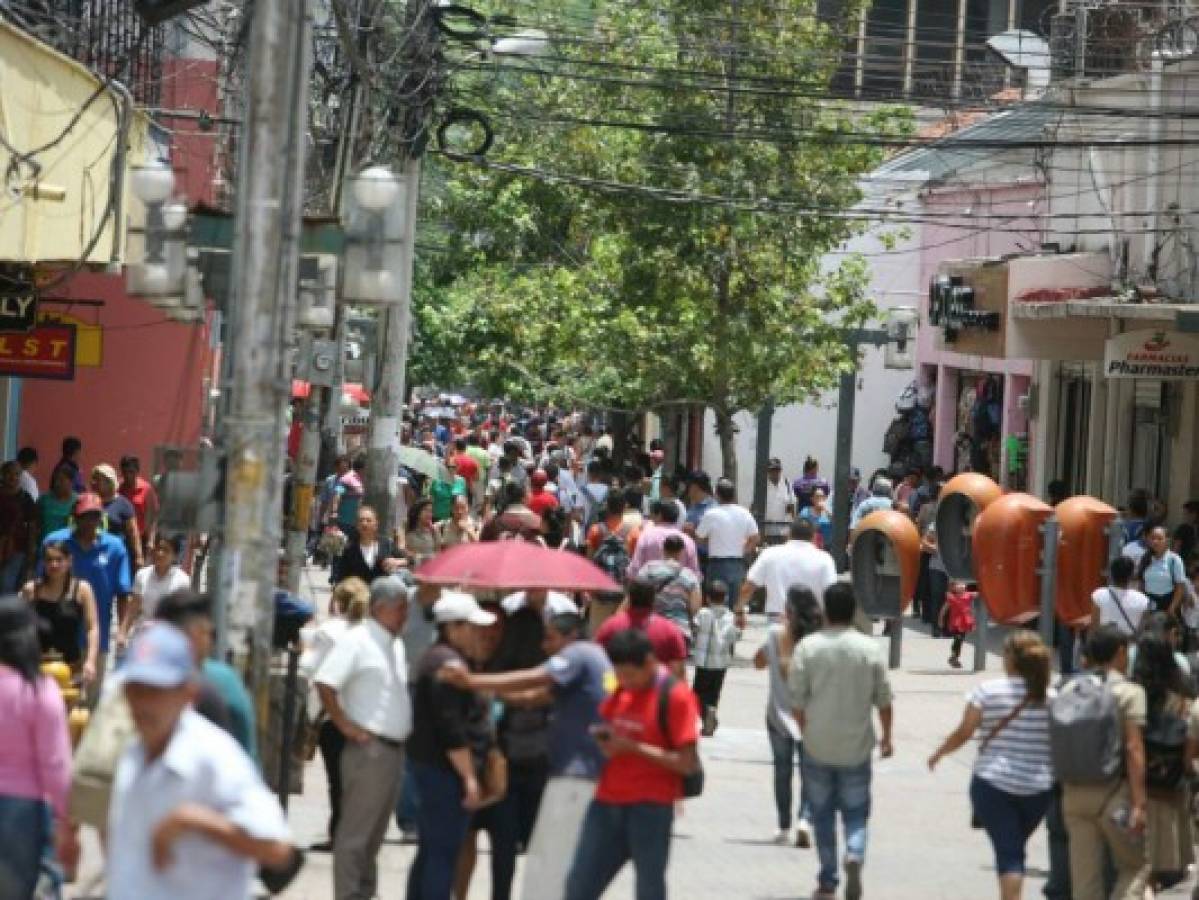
(1182, 448)
(1097, 432)
(945, 424)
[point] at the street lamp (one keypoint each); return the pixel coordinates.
(374, 228)
(158, 249)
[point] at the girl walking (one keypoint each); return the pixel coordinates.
(1013, 775)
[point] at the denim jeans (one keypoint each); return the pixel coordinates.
(730, 570)
(788, 762)
(1009, 820)
(611, 836)
(25, 835)
(442, 823)
(832, 790)
(408, 809)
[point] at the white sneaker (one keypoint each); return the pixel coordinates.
(803, 834)
(782, 837)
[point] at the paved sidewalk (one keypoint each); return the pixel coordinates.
(921, 845)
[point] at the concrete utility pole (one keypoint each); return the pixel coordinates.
(262, 311)
(846, 402)
(387, 400)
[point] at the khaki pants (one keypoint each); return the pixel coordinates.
(556, 836)
(1088, 811)
(370, 789)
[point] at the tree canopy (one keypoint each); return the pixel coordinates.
(652, 223)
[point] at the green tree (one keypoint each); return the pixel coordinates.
(651, 226)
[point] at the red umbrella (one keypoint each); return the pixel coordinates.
(512, 566)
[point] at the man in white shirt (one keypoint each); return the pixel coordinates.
(780, 505)
(1119, 604)
(778, 569)
(363, 685)
(729, 532)
(190, 815)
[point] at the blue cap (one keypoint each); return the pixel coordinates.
(161, 656)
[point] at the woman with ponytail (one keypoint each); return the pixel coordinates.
(1013, 774)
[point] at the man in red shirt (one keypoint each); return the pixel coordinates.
(633, 811)
(667, 642)
(141, 494)
(465, 465)
(540, 500)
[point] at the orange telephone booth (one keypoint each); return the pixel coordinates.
(885, 563)
(1082, 556)
(1007, 552)
(963, 498)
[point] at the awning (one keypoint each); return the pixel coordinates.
(71, 198)
(1079, 329)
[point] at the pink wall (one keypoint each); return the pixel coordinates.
(955, 229)
(149, 389)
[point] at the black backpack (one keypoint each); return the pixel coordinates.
(612, 555)
(1165, 750)
(693, 784)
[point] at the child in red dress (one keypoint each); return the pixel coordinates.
(957, 618)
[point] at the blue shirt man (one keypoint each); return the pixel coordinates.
(879, 499)
(98, 558)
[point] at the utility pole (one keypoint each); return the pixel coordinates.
(387, 399)
(762, 457)
(846, 401)
(262, 309)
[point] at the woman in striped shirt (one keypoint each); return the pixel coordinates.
(1013, 775)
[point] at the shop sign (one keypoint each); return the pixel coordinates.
(47, 351)
(1164, 355)
(18, 312)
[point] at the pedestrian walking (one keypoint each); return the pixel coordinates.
(938, 580)
(1012, 784)
(68, 623)
(368, 555)
(18, 530)
(572, 679)
(837, 677)
(810, 480)
(448, 750)
(1168, 814)
(649, 738)
(348, 605)
(678, 594)
(670, 647)
(716, 636)
(421, 540)
(72, 449)
(55, 505)
(820, 514)
(1161, 573)
(36, 752)
(957, 618)
(802, 617)
(1096, 724)
(190, 815)
(222, 697)
(144, 499)
(799, 562)
(1119, 604)
(120, 519)
(651, 542)
(363, 685)
(461, 527)
(101, 560)
(880, 499)
(151, 583)
(730, 534)
(780, 505)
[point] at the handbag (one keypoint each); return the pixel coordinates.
(693, 784)
(975, 821)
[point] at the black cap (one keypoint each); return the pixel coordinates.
(775, 463)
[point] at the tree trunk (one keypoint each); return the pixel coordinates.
(727, 432)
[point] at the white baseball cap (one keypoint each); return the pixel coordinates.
(456, 606)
